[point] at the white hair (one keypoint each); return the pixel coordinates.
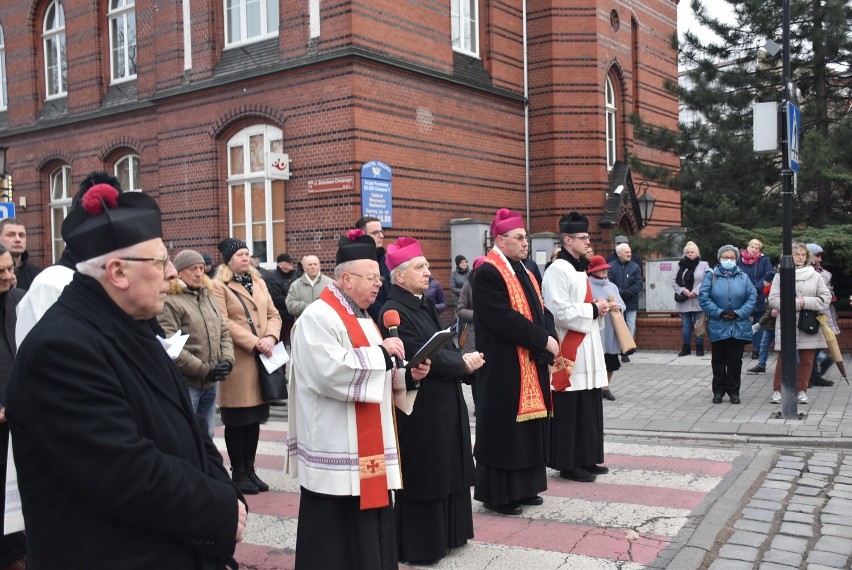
(399, 269)
(620, 248)
(340, 269)
(95, 267)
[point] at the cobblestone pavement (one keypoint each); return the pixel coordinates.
(692, 485)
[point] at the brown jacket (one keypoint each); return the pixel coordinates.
(242, 389)
(196, 313)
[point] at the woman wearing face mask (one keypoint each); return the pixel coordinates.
(727, 297)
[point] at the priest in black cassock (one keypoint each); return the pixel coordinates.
(432, 512)
(513, 400)
(576, 435)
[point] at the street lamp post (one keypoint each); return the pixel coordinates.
(788, 284)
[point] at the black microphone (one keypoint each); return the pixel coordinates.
(391, 321)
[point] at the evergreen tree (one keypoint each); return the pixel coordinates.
(721, 178)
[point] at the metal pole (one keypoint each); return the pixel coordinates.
(788, 282)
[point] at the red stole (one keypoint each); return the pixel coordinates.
(368, 419)
(531, 401)
(564, 363)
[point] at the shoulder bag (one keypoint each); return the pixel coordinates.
(273, 385)
(808, 321)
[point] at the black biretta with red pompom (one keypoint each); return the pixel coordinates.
(107, 220)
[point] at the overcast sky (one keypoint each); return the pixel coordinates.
(686, 21)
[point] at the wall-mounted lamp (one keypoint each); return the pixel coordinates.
(646, 204)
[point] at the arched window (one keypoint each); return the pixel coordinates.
(255, 201)
(611, 132)
(4, 98)
(55, 66)
(60, 204)
(127, 171)
(250, 20)
(122, 39)
(465, 26)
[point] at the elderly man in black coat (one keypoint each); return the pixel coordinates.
(516, 336)
(114, 471)
(432, 513)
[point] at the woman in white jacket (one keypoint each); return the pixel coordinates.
(812, 294)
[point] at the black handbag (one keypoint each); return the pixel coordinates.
(808, 321)
(680, 297)
(273, 385)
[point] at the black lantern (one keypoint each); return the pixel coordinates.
(646, 206)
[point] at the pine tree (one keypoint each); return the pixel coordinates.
(721, 178)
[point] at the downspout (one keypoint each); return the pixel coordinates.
(526, 119)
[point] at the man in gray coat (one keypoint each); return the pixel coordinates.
(307, 288)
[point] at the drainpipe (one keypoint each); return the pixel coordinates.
(526, 119)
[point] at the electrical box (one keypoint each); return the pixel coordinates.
(468, 237)
(659, 295)
(765, 127)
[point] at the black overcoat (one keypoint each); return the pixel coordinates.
(434, 441)
(501, 441)
(113, 469)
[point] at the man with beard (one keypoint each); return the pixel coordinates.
(576, 434)
(512, 410)
(433, 512)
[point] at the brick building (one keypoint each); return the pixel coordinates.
(183, 99)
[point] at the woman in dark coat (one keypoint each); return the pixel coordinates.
(755, 265)
(433, 512)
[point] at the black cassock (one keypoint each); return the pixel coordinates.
(510, 455)
(433, 510)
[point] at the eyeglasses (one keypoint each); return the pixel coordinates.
(584, 238)
(372, 279)
(163, 262)
(520, 238)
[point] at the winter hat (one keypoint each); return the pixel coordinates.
(207, 259)
(187, 258)
(107, 220)
(620, 239)
(355, 244)
(404, 249)
(283, 257)
(229, 246)
(596, 263)
(814, 249)
(725, 248)
(459, 259)
(506, 221)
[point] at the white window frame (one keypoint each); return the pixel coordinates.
(60, 175)
(460, 12)
(122, 12)
(133, 169)
(611, 124)
(54, 42)
(246, 179)
(267, 25)
(4, 96)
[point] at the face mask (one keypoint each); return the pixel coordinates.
(728, 264)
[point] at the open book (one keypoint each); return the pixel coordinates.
(438, 340)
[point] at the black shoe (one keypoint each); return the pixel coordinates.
(277, 402)
(755, 355)
(820, 382)
(532, 501)
(597, 469)
(825, 365)
(735, 399)
(757, 369)
(685, 351)
(252, 475)
(578, 474)
(699, 350)
(631, 352)
(243, 483)
(717, 398)
(607, 395)
(625, 358)
(512, 509)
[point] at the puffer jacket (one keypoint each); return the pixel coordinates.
(755, 273)
(810, 287)
(720, 292)
(196, 313)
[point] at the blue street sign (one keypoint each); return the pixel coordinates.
(794, 120)
(377, 192)
(7, 210)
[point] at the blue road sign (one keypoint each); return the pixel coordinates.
(377, 192)
(794, 120)
(7, 210)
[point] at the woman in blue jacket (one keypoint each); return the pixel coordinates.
(727, 297)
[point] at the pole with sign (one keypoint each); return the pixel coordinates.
(377, 192)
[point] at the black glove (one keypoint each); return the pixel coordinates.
(225, 366)
(213, 372)
(729, 315)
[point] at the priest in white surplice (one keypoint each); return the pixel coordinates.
(342, 443)
(579, 374)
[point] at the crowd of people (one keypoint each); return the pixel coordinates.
(117, 358)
